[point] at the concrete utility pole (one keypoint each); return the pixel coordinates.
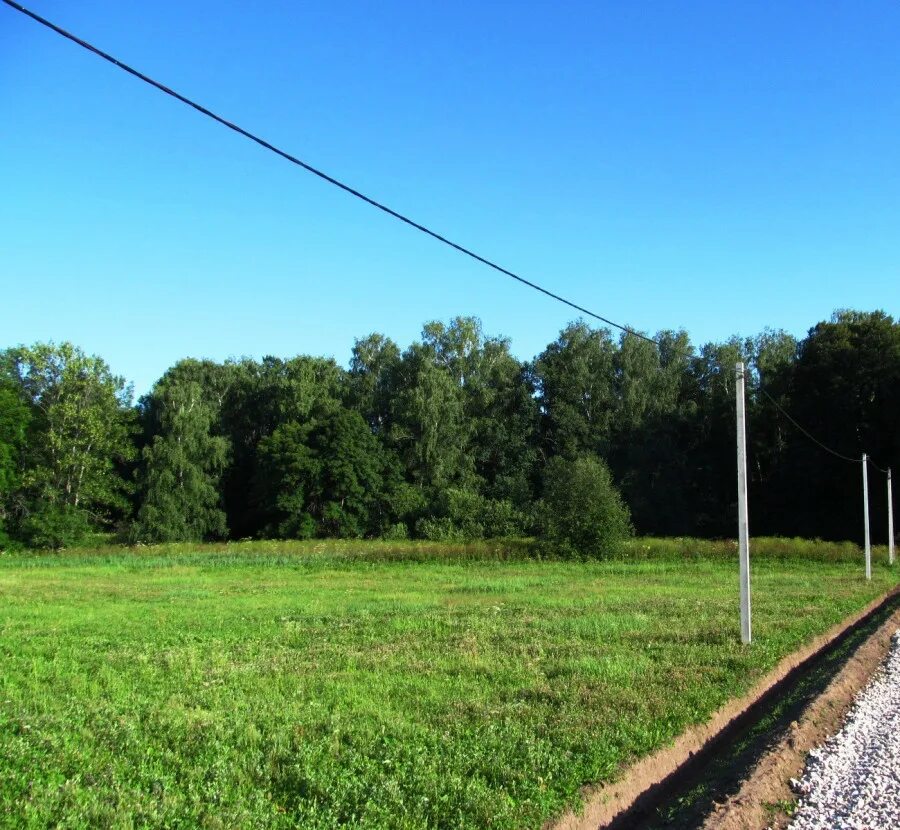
(890, 522)
(865, 472)
(743, 516)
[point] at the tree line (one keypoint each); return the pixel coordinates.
(452, 438)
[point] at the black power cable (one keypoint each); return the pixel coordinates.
(812, 437)
(315, 171)
(880, 469)
(374, 203)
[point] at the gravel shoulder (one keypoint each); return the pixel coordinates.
(853, 779)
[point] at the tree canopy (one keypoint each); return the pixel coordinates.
(452, 437)
(79, 437)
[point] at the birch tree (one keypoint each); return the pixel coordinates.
(78, 441)
(183, 465)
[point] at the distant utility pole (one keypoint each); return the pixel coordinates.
(865, 472)
(890, 522)
(743, 516)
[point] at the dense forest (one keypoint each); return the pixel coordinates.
(451, 438)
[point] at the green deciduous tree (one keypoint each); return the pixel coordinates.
(15, 416)
(327, 475)
(79, 437)
(499, 407)
(652, 430)
(844, 387)
(261, 397)
(576, 382)
(464, 415)
(371, 379)
(429, 427)
(454, 437)
(180, 481)
(583, 513)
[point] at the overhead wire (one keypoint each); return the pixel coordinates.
(812, 437)
(880, 469)
(321, 174)
(380, 205)
(658, 342)
(806, 432)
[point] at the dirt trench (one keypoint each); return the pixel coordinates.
(733, 772)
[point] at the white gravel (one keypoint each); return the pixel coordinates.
(852, 781)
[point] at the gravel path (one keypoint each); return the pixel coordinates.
(852, 781)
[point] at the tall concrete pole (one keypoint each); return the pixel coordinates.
(743, 516)
(890, 521)
(865, 472)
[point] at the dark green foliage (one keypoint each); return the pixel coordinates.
(260, 397)
(183, 464)
(371, 380)
(583, 514)
(844, 387)
(429, 427)
(14, 419)
(79, 432)
(15, 416)
(654, 432)
(464, 514)
(325, 476)
(450, 438)
(55, 526)
(576, 380)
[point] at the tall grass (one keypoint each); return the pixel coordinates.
(763, 547)
(338, 552)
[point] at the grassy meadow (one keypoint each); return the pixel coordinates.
(375, 684)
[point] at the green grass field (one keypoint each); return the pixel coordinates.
(372, 685)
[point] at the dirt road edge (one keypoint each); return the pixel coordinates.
(765, 795)
(603, 804)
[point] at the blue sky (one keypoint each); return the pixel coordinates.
(720, 167)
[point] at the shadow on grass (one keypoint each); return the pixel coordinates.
(688, 795)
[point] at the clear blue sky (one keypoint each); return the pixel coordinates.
(720, 167)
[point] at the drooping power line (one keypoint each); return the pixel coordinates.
(322, 175)
(376, 204)
(812, 437)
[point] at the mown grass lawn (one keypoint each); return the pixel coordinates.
(329, 685)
